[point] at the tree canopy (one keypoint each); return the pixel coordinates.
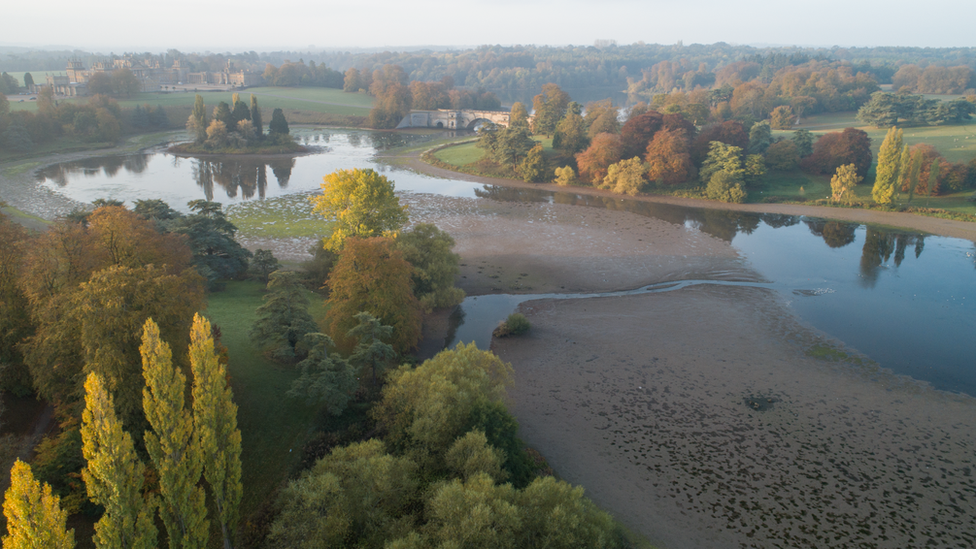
(358, 203)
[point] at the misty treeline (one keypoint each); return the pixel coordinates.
(521, 68)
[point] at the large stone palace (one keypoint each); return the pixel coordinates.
(151, 76)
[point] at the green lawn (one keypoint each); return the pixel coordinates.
(273, 427)
(460, 155)
(466, 153)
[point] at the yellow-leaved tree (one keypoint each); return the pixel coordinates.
(34, 515)
(358, 203)
(215, 427)
(171, 445)
(114, 475)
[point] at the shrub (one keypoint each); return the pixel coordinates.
(515, 324)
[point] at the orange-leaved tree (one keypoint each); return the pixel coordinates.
(372, 276)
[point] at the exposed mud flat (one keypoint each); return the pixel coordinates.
(644, 401)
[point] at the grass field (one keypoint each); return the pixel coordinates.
(319, 100)
(957, 143)
(273, 427)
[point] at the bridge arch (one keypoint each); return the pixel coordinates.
(476, 122)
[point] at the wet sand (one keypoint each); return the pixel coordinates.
(643, 401)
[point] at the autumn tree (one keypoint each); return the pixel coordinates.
(34, 514)
(518, 116)
(550, 107)
(90, 289)
(638, 132)
(668, 158)
(533, 167)
(889, 163)
(358, 203)
(15, 321)
(114, 475)
(852, 146)
(601, 117)
(283, 319)
(372, 276)
(215, 427)
(843, 182)
(606, 149)
(625, 177)
(782, 155)
(429, 251)
(782, 118)
(171, 445)
(730, 132)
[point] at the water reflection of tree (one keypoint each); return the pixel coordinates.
(60, 173)
(511, 194)
(835, 234)
(879, 245)
(282, 168)
(778, 221)
(243, 176)
(136, 163)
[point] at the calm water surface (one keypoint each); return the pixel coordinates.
(905, 299)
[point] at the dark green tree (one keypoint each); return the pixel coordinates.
(223, 113)
(263, 263)
(760, 137)
(803, 140)
(278, 125)
(210, 235)
(284, 319)
(570, 136)
(326, 378)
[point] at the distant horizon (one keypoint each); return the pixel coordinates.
(112, 26)
(412, 48)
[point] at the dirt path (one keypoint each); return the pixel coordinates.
(932, 225)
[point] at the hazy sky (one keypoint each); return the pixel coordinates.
(194, 25)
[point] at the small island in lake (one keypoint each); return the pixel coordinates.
(236, 130)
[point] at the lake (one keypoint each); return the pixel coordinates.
(905, 299)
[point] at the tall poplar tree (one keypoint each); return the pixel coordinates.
(198, 122)
(34, 514)
(172, 446)
(889, 163)
(256, 116)
(114, 475)
(215, 424)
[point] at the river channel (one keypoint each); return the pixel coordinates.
(904, 299)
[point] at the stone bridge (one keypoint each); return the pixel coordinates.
(449, 119)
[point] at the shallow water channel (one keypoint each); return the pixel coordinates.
(905, 299)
